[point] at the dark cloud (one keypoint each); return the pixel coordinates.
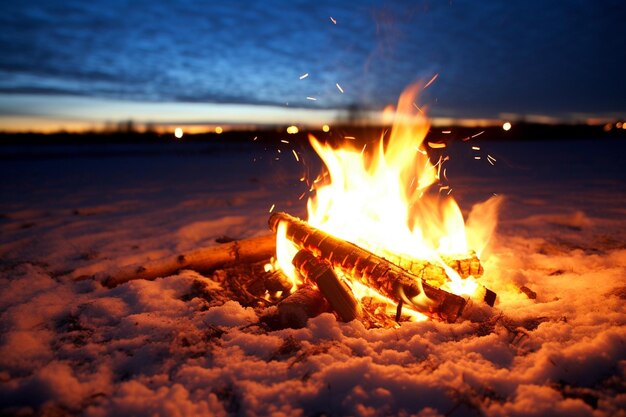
(528, 57)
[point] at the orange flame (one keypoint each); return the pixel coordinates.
(383, 201)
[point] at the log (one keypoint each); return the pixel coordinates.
(306, 302)
(374, 271)
(276, 281)
(436, 275)
(336, 291)
(201, 260)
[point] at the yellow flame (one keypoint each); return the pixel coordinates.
(382, 200)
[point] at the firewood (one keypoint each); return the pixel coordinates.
(336, 292)
(468, 265)
(374, 271)
(306, 302)
(201, 260)
(276, 281)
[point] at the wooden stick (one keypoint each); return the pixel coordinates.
(297, 308)
(201, 260)
(336, 292)
(372, 270)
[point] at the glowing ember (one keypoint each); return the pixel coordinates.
(382, 201)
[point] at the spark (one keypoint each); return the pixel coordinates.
(363, 150)
(438, 165)
(339, 87)
(311, 98)
(333, 20)
(295, 154)
(436, 145)
(432, 80)
(278, 150)
(302, 196)
(477, 134)
(284, 141)
(417, 107)
(490, 161)
(420, 150)
(349, 137)
(444, 173)
(446, 132)
(477, 157)
(303, 76)
(476, 148)
(449, 191)
(491, 157)
(272, 208)
(302, 179)
(255, 138)
(445, 187)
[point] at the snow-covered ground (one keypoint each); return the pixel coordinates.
(159, 348)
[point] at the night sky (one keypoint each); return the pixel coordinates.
(67, 62)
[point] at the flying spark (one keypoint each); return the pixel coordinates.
(432, 80)
(436, 145)
(311, 98)
(303, 76)
(339, 87)
(272, 208)
(476, 148)
(333, 20)
(295, 154)
(284, 141)
(349, 137)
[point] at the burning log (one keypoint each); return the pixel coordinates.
(374, 271)
(336, 292)
(436, 274)
(305, 303)
(201, 260)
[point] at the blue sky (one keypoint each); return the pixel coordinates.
(213, 62)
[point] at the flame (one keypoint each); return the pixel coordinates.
(386, 200)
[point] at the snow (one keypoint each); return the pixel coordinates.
(157, 348)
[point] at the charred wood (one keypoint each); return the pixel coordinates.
(336, 291)
(305, 303)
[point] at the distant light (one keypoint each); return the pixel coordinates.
(292, 130)
(326, 128)
(619, 125)
(624, 126)
(506, 126)
(608, 127)
(178, 132)
(219, 130)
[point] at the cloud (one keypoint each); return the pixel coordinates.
(516, 57)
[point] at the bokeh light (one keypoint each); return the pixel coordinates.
(178, 132)
(506, 126)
